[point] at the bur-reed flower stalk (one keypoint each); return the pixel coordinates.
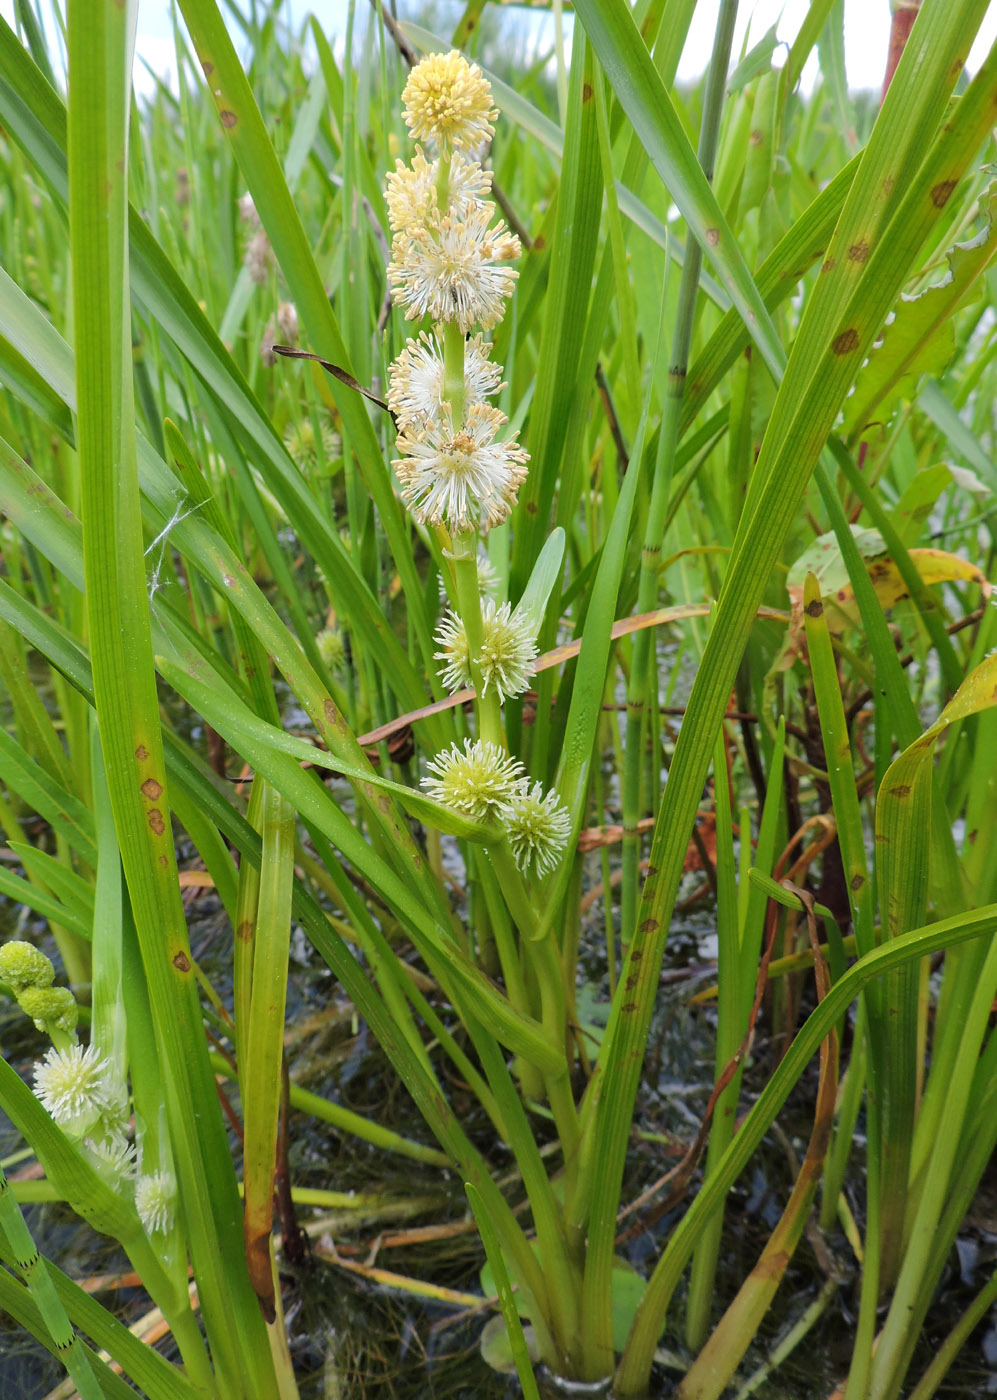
(460, 476)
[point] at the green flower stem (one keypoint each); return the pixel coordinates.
(443, 180)
(465, 557)
(546, 966)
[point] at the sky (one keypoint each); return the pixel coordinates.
(867, 25)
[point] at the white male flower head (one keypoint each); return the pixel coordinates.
(479, 780)
(156, 1202)
(80, 1089)
(537, 827)
(448, 101)
(416, 380)
(508, 651)
(461, 477)
(453, 269)
(412, 190)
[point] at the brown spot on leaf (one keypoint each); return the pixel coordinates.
(757, 137)
(857, 881)
(163, 862)
(940, 193)
(152, 789)
(229, 119)
(207, 66)
(638, 953)
(828, 265)
(815, 608)
(531, 507)
(971, 838)
(141, 753)
(901, 790)
(181, 962)
(587, 92)
(628, 1008)
(859, 252)
(539, 242)
(245, 931)
(632, 981)
(648, 926)
(846, 342)
(156, 823)
(713, 237)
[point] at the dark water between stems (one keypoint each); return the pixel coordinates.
(353, 1339)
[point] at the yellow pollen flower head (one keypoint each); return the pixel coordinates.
(448, 101)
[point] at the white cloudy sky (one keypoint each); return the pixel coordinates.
(866, 31)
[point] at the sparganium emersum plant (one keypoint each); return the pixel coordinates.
(784, 413)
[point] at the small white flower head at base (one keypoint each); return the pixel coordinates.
(453, 269)
(416, 378)
(448, 101)
(79, 1088)
(412, 190)
(508, 651)
(113, 1157)
(478, 780)
(538, 828)
(463, 478)
(156, 1202)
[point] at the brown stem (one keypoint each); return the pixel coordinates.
(901, 23)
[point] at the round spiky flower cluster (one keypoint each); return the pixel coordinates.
(484, 783)
(415, 392)
(81, 1091)
(508, 651)
(478, 780)
(462, 477)
(156, 1201)
(447, 101)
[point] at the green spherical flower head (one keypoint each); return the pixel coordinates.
(478, 780)
(23, 965)
(50, 1006)
(331, 648)
(156, 1202)
(538, 828)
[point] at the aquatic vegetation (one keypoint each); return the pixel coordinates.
(496, 511)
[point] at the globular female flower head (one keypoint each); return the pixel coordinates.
(331, 648)
(53, 1009)
(113, 1157)
(452, 269)
(415, 379)
(23, 965)
(412, 189)
(447, 101)
(479, 780)
(156, 1202)
(461, 477)
(508, 651)
(81, 1090)
(538, 828)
